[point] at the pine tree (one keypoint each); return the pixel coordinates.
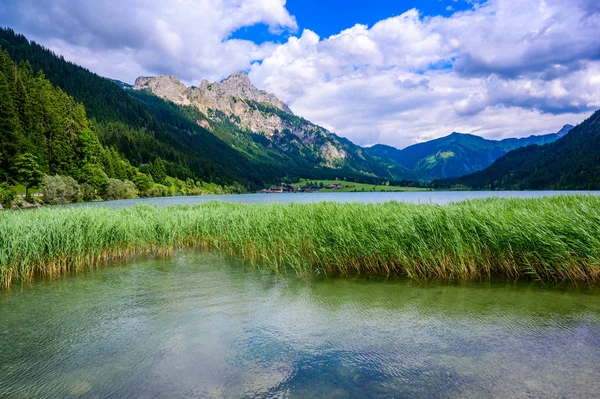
(41, 123)
(158, 171)
(28, 171)
(10, 136)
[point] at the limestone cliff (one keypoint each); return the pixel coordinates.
(254, 110)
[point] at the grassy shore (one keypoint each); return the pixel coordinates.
(349, 187)
(554, 238)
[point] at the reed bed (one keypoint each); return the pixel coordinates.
(554, 238)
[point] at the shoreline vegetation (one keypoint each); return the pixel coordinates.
(547, 239)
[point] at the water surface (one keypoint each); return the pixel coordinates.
(198, 326)
(436, 197)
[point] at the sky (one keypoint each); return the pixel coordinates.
(392, 72)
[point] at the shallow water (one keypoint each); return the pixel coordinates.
(436, 197)
(197, 325)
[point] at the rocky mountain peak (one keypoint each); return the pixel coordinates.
(240, 78)
(240, 86)
(243, 104)
(165, 86)
(216, 96)
(565, 129)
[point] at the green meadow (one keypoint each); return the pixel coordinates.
(355, 187)
(548, 239)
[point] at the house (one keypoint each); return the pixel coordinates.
(336, 186)
(279, 189)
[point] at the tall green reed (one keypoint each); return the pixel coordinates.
(555, 238)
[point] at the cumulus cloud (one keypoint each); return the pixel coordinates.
(501, 68)
(123, 39)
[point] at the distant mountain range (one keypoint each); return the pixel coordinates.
(570, 163)
(457, 154)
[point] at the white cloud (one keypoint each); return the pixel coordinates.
(189, 38)
(499, 69)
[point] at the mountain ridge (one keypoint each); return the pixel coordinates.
(569, 163)
(143, 127)
(237, 101)
(458, 154)
(224, 97)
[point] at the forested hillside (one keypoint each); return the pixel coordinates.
(42, 128)
(571, 163)
(144, 128)
(143, 137)
(457, 154)
(47, 141)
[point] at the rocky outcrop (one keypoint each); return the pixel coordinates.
(224, 97)
(257, 111)
(164, 86)
(239, 85)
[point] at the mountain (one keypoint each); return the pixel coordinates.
(457, 154)
(572, 162)
(46, 128)
(130, 127)
(214, 147)
(237, 102)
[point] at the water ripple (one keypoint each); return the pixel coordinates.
(196, 325)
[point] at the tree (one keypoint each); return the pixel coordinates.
(10, 136)
(93, 175)
(28, 171)
(143, 182)
(158, 171)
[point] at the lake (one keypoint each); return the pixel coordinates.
(437, 197)
(200, 326)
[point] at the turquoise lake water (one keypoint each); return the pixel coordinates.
(437, 197)
(197, 325)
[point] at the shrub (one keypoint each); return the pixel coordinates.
(88, 192)
(157, 191)
(120, 189)
(7, 195)
(60, 190)
(94, 176)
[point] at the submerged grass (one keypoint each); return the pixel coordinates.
(555, 238)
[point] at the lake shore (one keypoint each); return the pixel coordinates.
(547, 239)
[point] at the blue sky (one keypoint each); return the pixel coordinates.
(393, 72)
(330, 17)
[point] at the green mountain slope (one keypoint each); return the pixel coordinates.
(457, 154)
(572, 162)
(142, 136)
(241, 114)
(143, 127)
(43, 124)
